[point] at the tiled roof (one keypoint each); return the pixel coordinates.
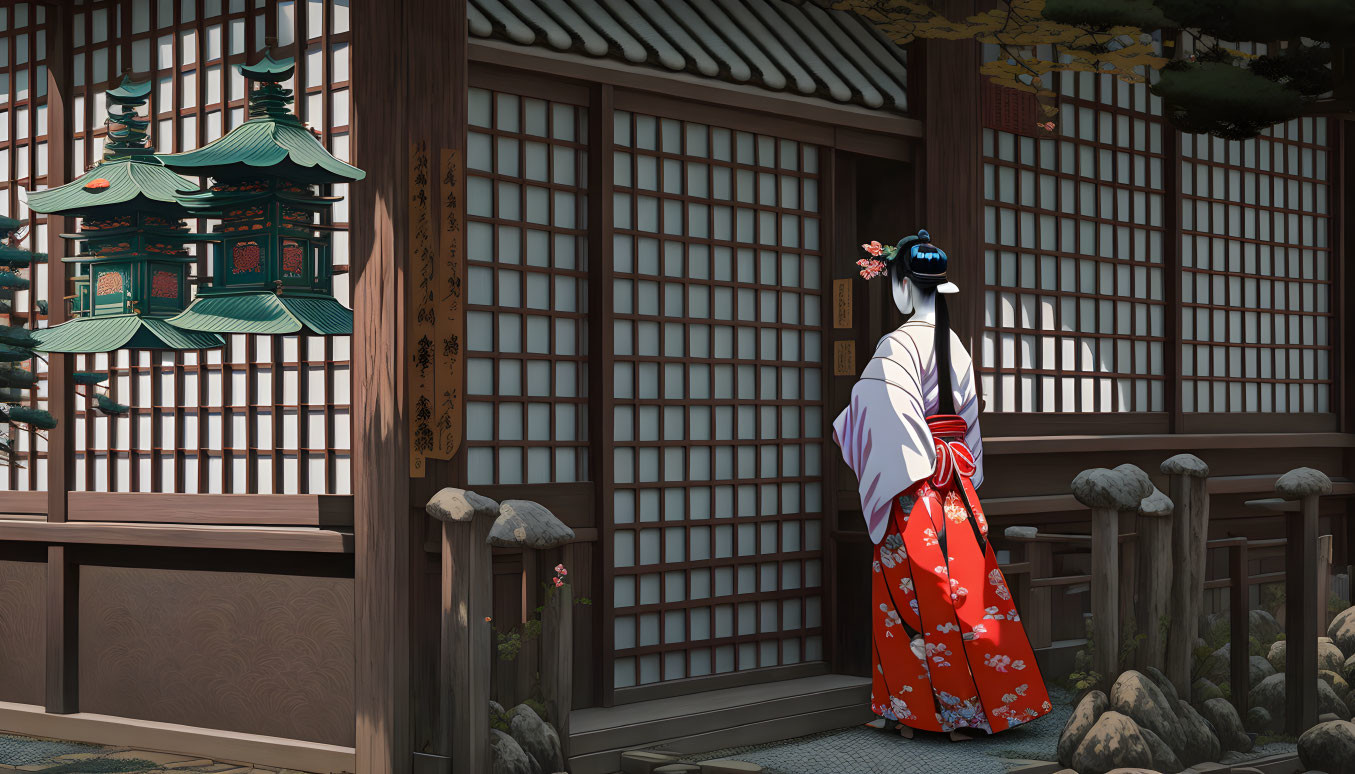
(775, 44)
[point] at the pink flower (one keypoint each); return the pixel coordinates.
(560, 568)
(871, 268)
(874, 248)
(559, 582)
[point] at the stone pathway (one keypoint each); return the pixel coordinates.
(51, 756)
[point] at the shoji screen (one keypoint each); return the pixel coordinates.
(1074, 258)
(1256, 258)
(23, 167)
(262, 414)
(717, 297)
(526, 321)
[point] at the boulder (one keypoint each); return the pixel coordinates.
(452, 505)
(1276, 655)
(1269, 695)
(1258, 669)
(1328, 701)
(1301, 482)
(1227, 725)
(1164, 759)
(1101, 488)
(1342, 631)
(1348, 671)
(526, 524)
(1115, 741)
(1259, 720)
(1329, 656)
(1185, 465)
(536, 737)
(1201, 744)
(507, 755)
(1134, 771)
(1263, 626)
(1084, 716)
(1327, 717)
(1203, 689)
(1163, 684)
(1137, 697)
(1217, 666)
(1329, 747)
(730, 767)
(1338, 684)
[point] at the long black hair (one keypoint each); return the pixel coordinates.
(923, 264)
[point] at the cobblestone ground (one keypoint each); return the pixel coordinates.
(51, 756)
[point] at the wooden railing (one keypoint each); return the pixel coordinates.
(1156, 575)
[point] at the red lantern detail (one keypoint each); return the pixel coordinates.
(97, 184)
(165, 284)
(247, 257)
(293, 259)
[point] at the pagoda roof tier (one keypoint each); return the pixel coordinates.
(210, 203)
(266, 313)
(126, 231)
(274, 145)
(139, 179)
(90, 335)
(15, 256)
(126, 257)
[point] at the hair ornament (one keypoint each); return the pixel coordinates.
(878, 263)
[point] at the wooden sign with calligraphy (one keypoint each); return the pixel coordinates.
(421, 324)
(451, 324)
(842, 303)
(844, 358)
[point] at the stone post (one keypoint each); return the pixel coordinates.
(1301, 614)
(1190, 533)
(1155, 578)
(467, 599)
(1107, 493)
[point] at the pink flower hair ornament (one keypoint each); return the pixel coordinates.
(878, 263)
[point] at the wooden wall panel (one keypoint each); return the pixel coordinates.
(22, 590)
(237, 651)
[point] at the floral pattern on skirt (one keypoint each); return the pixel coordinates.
(949, 648)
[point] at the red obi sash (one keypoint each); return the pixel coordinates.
(952, 455)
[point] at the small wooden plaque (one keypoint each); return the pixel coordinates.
(844, 358)
(842, 303)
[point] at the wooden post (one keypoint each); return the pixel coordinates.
(1130, 596)
(1154, 578)
(1301, 614)
(467, 601)
(1107, 493)
(557, 660)
(1239, 624)
(1189, 535)
(1323, 582)
(529, 656)
(1040, 624)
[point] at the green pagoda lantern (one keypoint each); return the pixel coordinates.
(273, 271)
(132, 269)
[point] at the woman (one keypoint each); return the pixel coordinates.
(949, 649)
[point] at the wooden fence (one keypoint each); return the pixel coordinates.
(1156, 575)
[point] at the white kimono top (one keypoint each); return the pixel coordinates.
(883, 432)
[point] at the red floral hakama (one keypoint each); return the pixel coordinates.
(949, 648)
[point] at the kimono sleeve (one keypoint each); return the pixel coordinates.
(967, 404)
(883, 431)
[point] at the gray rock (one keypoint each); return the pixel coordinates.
(1203, 689)
(1327, 717)
(1134, 771)
(1328, 701)
(1201, 743)
(1301, 482)
(452, 504)
(1338, 684)
(1263, 626)
(1329, 747)
(1156, 504)
(1021, 533)
(507, 755)
(1102, 488)
(1269, 695)
(1217, 666)
(1140, 479)
(1342, 631)
(523, 523)
(1084, 716)
(1185, 465)
(1115, 741)
(1164, 759)
(678, 768)
(1348, 671)
(1207, 622)
(1259, 720)
(1163, 684)
(1137, 697)
(729, 767)
(1329, 656)
(1276, 656)
(1224, 718)
(1258, 669)
(536, 737)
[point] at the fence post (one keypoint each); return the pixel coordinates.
(1239, 673)
(1323, 582)
(467, 599)
(1155, 573)
(1304, 485)
(1106, 492)
(1034, 600)
(1190, 534)
(557, 660)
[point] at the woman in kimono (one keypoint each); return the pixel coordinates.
(949, 649)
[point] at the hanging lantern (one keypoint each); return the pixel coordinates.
(132, 269)
(272, 268)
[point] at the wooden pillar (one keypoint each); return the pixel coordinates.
(1130, 596)
(62, 665)
(1108, 493)
(1323, 582)
(1155, 573)
(1190, 534)
(1239, 624)
(557, 660)
(1040, 621)
(1301, 599)
(952, 164)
